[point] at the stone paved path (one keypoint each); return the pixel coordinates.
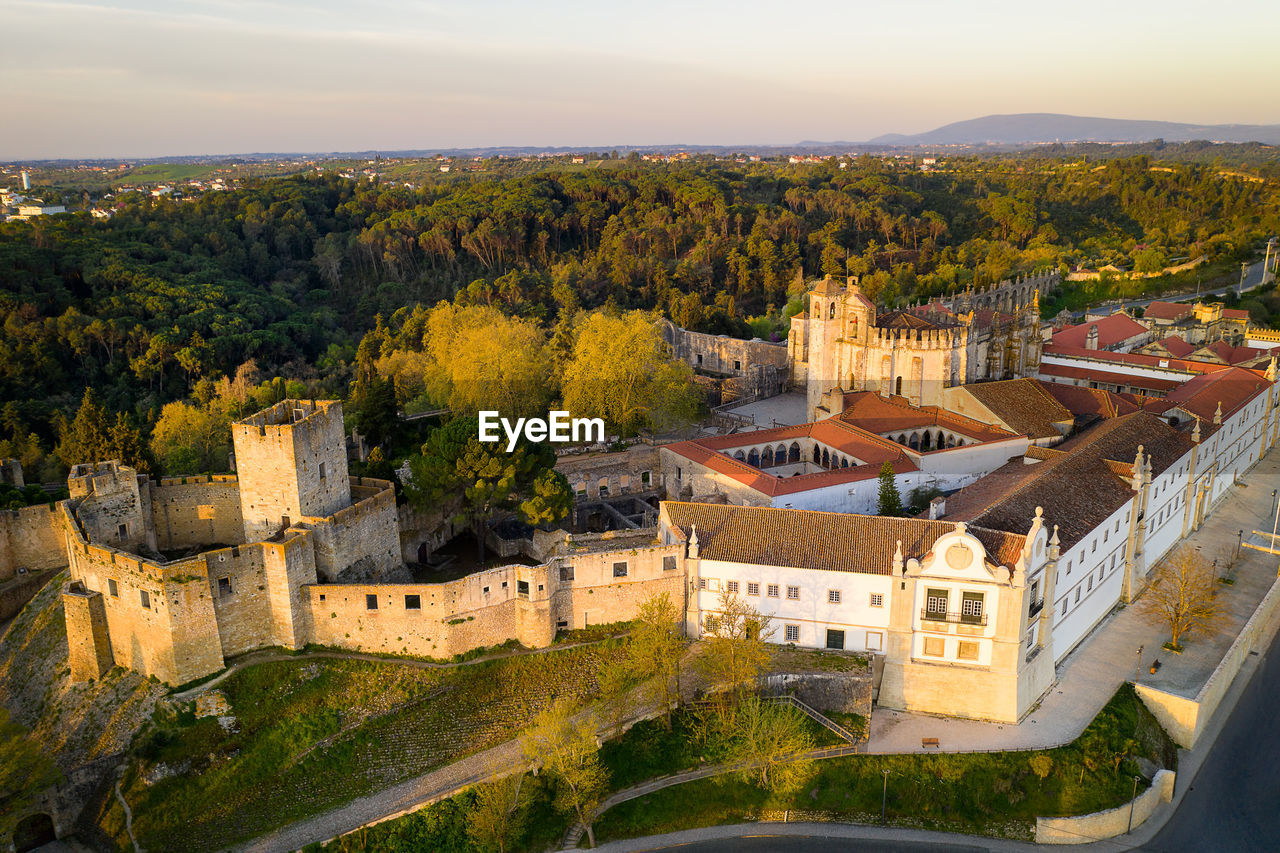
(1092, 673)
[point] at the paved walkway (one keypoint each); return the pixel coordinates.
(1093, 672)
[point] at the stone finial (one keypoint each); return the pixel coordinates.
(1217, 415)
(1271, 370)
(1053, 540)
(693, 543)
(1195, 432)
(897, 559)
(960, 527)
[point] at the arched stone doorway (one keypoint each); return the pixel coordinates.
(33, 831)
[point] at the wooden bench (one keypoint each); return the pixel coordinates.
(926, 742)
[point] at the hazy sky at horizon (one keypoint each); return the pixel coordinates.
(143, 78)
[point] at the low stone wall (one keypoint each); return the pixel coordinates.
(15, 594)
(1092, 827)
(1184, 719)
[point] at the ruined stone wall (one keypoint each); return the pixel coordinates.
(292, 464)
(846, 692)
(762, 366)
(689, 480)
(637, 469)
(191, 511)
(361, 541)
(30, 538)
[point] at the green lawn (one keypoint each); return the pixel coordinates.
(312, 734)
(997, 794)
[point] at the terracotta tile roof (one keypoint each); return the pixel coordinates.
(908, 320)
(870, 411)
(1172, 311)
(1113, 330)
(1083, 402)
(1233, 388)
(1110, 377)
(831, 541)
(1235, 314)
(827, 287)
(1078, 489)
(1132, 358)
(1022, 405)
(1176, 346)
(871, 449)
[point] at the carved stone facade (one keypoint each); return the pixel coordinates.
(843, 341)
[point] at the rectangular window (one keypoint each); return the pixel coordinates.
(935, 602)
(967, 651)
(620, 569)
(877, 599)
(668, 564)
(645, 478)
(413, 602)
(123, 530)
(792, 633)
(935, 647)
(732, 587)
(702, 583)
(753, 588)
(1077, 601)
(875, 641)
(711, 623)
(772, 590)
(371, 602)
(793, 593)
(112, 588)
(835, 639)
(224, 587)
(522, 588)
(145, 598)
(1090, 582)
(679, 475)
(323, 470)
(1065, 605)
(971, 607)
(833, 596)
(566, 573)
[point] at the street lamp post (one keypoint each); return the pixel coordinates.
(884, 795)
(1239, 539)
(1240, 289)
(1137, 673)
(1131, 799)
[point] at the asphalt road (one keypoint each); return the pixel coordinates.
(1233, 805)
(1252, 279)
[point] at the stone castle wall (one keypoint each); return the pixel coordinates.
(595, 596)
(112, 504)
(31, 539)
(360, 541)
(619, 473)
(189, 511)
(292, 464)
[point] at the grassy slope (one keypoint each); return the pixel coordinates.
(313, 734)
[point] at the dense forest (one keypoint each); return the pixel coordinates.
(285, 277)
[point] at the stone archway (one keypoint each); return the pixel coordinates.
(33, 831)
(424, 552)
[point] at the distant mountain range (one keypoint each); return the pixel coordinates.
(1031, 128)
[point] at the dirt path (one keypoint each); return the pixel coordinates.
(254, 658)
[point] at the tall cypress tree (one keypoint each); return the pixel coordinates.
(890, 500)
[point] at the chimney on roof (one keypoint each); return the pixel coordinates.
(1091, 340)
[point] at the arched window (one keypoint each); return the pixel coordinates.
(753, 458)
(766, 458)
(740, 456)
(793, 455)
(902, 439)
(833, 311)
(826, 458)
(817, 455)
(844, 462)
(779, 454)
(915, 441)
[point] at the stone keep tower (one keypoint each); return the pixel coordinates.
(291, 461)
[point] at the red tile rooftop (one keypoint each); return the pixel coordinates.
(1172, 311)
(872, 412)
(1113, 330)
(1125, 380)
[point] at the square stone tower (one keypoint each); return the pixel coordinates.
(291, 460)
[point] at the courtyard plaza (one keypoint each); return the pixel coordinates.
(1108, 657)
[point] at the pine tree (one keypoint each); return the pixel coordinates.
(890, 500)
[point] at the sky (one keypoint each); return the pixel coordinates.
(153, 78)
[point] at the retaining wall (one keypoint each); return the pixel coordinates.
(1183, 718)
(1092, 827)
(30, 538)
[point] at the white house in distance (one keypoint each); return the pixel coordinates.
(945, 604)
